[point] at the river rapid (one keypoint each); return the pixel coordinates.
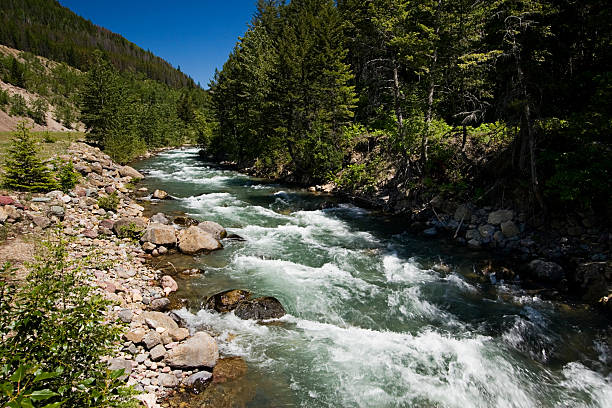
(371, 320)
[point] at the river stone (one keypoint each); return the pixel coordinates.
(118, 364)
(545, 271)
(198, 351)
(262, 308)
(472, 234)
(486, 232)
(125, 315)
(509, 229)
(135, 336)
(499, 216)
(160, 304)
(179, 334)
(151, 339)
(127, 171)
(159, 319)
(194, 240)
(196, 382)
(157, 353)
(159, 234)
(185, 221)
(168, 284)
(167, 380)
(228, 300)
(213, 228)
(160, 218)
(160, 195)
(229, 369)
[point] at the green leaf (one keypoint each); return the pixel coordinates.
(41, 395)
(19, 374)
(117, 373)
(44, 376)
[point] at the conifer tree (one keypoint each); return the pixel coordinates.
(23, 170)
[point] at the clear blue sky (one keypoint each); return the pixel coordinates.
(195, 35)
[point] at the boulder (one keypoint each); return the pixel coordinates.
(229, 369)
(6, 200)
(509, 229)
(185, 221)
(194, 240)
(262, 308)
(157, 353)
(167, 380)
(545, 271)
(151, 339)
(127, 171)
(168, 284)
(198, 351)
(160, 218)
(159, 319)
(213, 228)
(227, 301)
(159, 195)
(41, 221)
(160, 304)
(593, 278)
(499, 216)
(12, 212)
(135, 336)
(179, 334)
(463, 212)
(159, 234)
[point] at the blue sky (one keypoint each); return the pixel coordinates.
(195, 35)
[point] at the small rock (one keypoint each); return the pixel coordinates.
(160, 304)
(159, 234)
(6, 200)
(196, 382)
(148, 246)
(157, 353)
(499, 216)
(473, 243)
(126, 315)
(151, 339)
(167, 380)
(509, 229)
(227, 301)
(179, 334)
(41, 221)
(168, 284)
(158, 319)
(135, 336)
(431, 232)
(160, 195)
(162, 250)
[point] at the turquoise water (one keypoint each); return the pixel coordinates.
(372, 322)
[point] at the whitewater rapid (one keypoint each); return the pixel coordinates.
(371, 322)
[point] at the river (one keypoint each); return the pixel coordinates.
(372, 322)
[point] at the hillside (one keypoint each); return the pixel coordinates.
(46, 28)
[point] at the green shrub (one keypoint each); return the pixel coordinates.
(53, 338)
(66, 176)
(109, 202)
(131, 231)
(18, 106)
(38, 111)
(4, 98)
(48, 137)
(23, 170)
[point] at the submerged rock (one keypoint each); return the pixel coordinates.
(227, 301)
(229, 369)
(261, 308)
(546, 271)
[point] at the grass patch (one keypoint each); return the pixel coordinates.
(62, 141)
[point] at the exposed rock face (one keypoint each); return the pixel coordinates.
(198, 351)
(499, 216)
(160, 234)
(214, 229)
(127, 171)
(260, 309)
(194, 240)
(546, 271)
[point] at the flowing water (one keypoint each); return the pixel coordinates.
(371, 321)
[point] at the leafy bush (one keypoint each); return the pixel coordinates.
(131, 231)
(23, 170)
(109, 202)
(53, 338)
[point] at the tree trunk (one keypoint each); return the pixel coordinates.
(397, 97)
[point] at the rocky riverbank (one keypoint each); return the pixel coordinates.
(158, 354)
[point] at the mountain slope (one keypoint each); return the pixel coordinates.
(46, 28)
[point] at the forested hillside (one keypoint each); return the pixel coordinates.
(482, 100)
(46, 28)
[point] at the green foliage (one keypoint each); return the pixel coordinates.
(66, 176)
(131, 231)
(4, 99)
(53, 337)
(23, 170)
(38, 111)
(109, 202)
(18, 106)
(48, 137)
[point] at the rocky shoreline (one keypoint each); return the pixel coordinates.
(160, 356)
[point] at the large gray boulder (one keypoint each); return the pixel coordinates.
(201, 350)
(160, 234)
(216, 230)
(194, 240)
(127, 171)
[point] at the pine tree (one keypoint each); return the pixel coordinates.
(23, 170)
